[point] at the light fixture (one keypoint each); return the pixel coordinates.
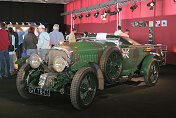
(151, 5)
(133, 7)
(88, 15)
(96, 14)
(174, 0)
(80, 16)
(116, 11)
(44, 1)
(74, 18)
(104, 15)
(108, 11)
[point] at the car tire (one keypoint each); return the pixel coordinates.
(21, 82)
(111, 66)
(152, 74)
(83, 88)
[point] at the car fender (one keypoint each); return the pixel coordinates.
(22, 60)
(146, 64)
(99, 75)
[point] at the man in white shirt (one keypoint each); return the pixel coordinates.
(126, 33)
(43, 42)
(118, 32)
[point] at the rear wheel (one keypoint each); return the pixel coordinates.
(151, 77)
(83, 88)
(111, 64)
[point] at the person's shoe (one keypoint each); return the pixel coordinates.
(13, 73)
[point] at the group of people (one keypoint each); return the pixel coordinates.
(33, 41)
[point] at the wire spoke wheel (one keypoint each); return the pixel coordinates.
(22, 80)
(154, 72)
(83, 88)
(111, 64)
(151, 77)
(88, 88)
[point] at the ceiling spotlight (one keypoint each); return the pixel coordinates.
(133, 7)
(104, 15)
(96, 14)
(45, 1)
(88, 15)
(108, 11)
(80, 16)
(74, 18)
(116, 11)
(151, 5)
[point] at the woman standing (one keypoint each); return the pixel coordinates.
(30, 42)
(11, 49)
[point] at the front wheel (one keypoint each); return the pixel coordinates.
(151, 77)
(83, 88)
(21, 81)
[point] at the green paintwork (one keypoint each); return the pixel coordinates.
(87, 53)
(129, 72)
(34, 77)
(146, 64)
(22, 60)
(61, 81)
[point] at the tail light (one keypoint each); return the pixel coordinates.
(158, 54)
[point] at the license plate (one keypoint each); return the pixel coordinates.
(39, 91)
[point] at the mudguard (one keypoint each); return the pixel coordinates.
(145, 64)
(22, 60)
(99, 75)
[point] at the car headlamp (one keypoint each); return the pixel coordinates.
(35, 60)
(59, 64)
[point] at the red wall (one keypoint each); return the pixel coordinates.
(164, 10)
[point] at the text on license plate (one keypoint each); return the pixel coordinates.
(39, 91)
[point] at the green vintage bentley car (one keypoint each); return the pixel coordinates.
(80, 69)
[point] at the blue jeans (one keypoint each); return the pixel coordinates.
(19, 51)
(11, 62)
(4, 57)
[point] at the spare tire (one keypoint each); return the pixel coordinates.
(111, 64)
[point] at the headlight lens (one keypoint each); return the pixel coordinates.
(35, 60)
(59, 64)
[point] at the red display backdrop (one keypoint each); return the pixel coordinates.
(164, 10)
